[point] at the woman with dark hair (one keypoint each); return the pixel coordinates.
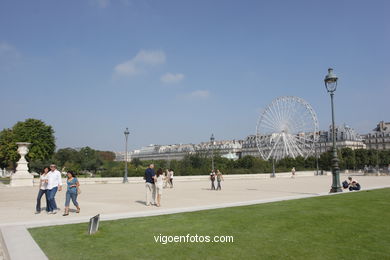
(42, 190)
(71, 192)
(159, 185)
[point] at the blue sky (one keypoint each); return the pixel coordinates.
(177, 71)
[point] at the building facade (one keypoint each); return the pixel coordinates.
(379, 139)
(231, 148)
(346, 137)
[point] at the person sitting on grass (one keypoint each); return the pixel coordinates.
(353, 184)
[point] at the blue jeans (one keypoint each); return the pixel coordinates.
(51, 197)
(40, 194)
(71, 195)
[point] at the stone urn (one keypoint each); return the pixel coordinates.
(22, 177)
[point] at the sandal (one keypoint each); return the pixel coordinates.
(65, 214)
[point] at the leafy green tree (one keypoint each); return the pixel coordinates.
(107, 156)
(67, 155)
(34, 131)
(8, 149)
(90, 160)
(361, 158)
(325, 160)
(347, 158)
(246, 162)
(40, 135)
(136, 162)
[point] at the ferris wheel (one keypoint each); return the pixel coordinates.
(288, 127)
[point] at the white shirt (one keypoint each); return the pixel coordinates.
(53, 179)
(43, 180)
(159, 181)
(171, 173)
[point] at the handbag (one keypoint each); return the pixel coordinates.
(78, 191)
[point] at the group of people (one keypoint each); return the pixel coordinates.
(49, 183)
(155, 182)
(216, 174)
(351, 184)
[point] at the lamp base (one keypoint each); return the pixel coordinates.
(335, 189)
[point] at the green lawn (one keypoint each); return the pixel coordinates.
(348, 226)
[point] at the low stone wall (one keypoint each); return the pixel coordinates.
(114, 180)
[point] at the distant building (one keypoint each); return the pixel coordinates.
(120, 156)
(178, 151)
(249, 147)
(379, 139)
(346, 137)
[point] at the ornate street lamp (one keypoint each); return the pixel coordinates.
(331, 85)
(125, 180)
(212, 139)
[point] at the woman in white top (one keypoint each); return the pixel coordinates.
(159, 185)
(42, 190)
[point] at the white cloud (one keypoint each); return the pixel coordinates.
(100, 3)
(198, 94)
(140, 63)
(8, 50)
(170, 78)
(106, 3)
(9, 56)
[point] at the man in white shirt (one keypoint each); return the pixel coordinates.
(54, 183)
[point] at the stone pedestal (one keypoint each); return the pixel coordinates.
(22, 177)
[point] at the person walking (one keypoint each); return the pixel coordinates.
(171, 177)
(293, 172)
(71, 192)
(219, 179)
(42, 191)
(166, 174)
(212, 179)
(150, 186)
(159, 185)
(54, 184)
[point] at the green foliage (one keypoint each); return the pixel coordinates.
(353, 225)
(8, 149)
(40, 135)
(34, 131)
(107, 156)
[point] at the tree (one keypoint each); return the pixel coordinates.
(40, 135)
(66, 155)
(8, 149)
(34, 131)
(136, 162)
(90, 160)
(246, 162)
(347, 158)
(107, 156)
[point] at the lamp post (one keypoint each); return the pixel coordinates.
(212, 151)
(125, 180)
(331, 85)
(315, 147)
